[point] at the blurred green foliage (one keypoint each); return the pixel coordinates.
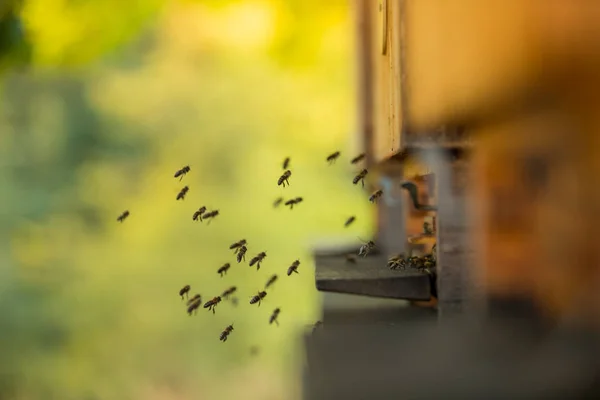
(89, 307)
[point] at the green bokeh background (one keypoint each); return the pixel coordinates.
(101, 101)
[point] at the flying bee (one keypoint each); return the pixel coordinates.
(397, 262)
(271, 281)
(181, 173)
(258, 259)
(184, 291)
(286, 163)
(198, 214)
(427, 229)
(258, 298)
(351, 258)
(229, 292)
(223, 270)
(277, 202)
(124, 215)
(193, 306)
(225, 333)
(254, 350)
(212, 304)
(358, 158)
(366, 248)
(332, 157)
(317, 325)
(349, 221)
(196, 298)
(241, 255)
(360, 177)
(376, 196)
(274, 316)
(237, 245)
(293, 268)
(283, 179)
(293, 202)
(182, 193)
(211, 215)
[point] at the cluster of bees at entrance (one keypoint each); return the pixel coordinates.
(240, 248)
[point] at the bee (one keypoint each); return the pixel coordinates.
(349, 221)
(225, 333)
(122, 217)
(210, 215)
(366, 248)
(254, 350)
(223, 270)
(229, 292)
(196, 298)
(212, 304)
(293, 202)
(274, 316)
(271, 281)
(397, 262)
(181, 173)
(257, 260)
(286, 163)
(416, 262)
(360, 177)
(293, 268)
(317, 325)
(198, 214)
(332, 157)
(258, 298)
(193, 306)
(427, 229)
(358, 158)
(237, 245)
(182, 193)
(277, 202)
(351, 258)
(283, 179)
(184, 291)
(241, 254)
(376, 196)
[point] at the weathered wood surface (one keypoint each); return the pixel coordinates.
(370, 276)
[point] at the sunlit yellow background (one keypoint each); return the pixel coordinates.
(118, 96)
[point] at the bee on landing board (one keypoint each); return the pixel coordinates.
(293, 268)
(397, 262)
(349, 221)
(193, 305)
(198, 214)
(241, 254)
(376, 196)
(229, 292)
(210, 215)
(181, 173)
(332, 157)
(283, 179)
(271, 281)
(212, 304)
(225, 333)
(184, 291)
(292, 202)
(277, 202)
(366, 248)
(223, 270)
(124, 215)
(274, 316)
(182, 193)
(286, 163)
(258, 298)
(258, 259)
(237, 245)
(358, 158)
(360, 177)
